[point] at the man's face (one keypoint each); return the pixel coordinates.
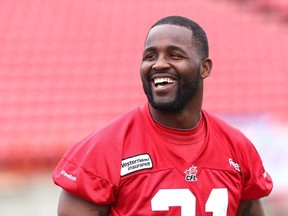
(170, 69)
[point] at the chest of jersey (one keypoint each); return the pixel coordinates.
(157, 182)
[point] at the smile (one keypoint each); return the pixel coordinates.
(163, 81)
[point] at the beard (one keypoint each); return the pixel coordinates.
(185, 92)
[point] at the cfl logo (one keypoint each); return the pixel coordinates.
(191, 174)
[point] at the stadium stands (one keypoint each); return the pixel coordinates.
(69, 67)
(276, 8)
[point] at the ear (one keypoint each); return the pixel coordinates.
(206, 68)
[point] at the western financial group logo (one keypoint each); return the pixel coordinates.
(136, 163)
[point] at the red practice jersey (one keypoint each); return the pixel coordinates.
(129, 165)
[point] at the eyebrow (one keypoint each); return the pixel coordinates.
(170, 47)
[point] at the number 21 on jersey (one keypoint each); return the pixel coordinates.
(217, 201)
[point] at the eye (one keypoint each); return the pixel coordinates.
(149, 57)
(176, 56)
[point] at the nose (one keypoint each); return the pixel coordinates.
(160, 64)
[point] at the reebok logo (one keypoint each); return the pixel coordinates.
(235, 165)
(136, 163)
(69, 176)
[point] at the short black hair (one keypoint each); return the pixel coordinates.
(198, 36)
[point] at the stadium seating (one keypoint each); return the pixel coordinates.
(69, 67)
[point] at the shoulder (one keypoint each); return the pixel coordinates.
(104, 146)
(232, 140)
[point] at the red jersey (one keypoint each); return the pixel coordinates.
(130, 165)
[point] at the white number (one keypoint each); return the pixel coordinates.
(216, 203)
(174, 197)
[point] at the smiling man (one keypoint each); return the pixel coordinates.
(168, 156)
(172, 71)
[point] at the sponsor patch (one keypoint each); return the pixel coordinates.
(136, 163)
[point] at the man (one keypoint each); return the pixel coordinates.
(167, 157)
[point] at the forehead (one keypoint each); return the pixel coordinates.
(169, 34)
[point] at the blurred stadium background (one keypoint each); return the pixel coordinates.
(68, 67)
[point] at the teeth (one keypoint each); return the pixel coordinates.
(163, 80)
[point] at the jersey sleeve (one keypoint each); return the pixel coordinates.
(257, 182)
(89, 170)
